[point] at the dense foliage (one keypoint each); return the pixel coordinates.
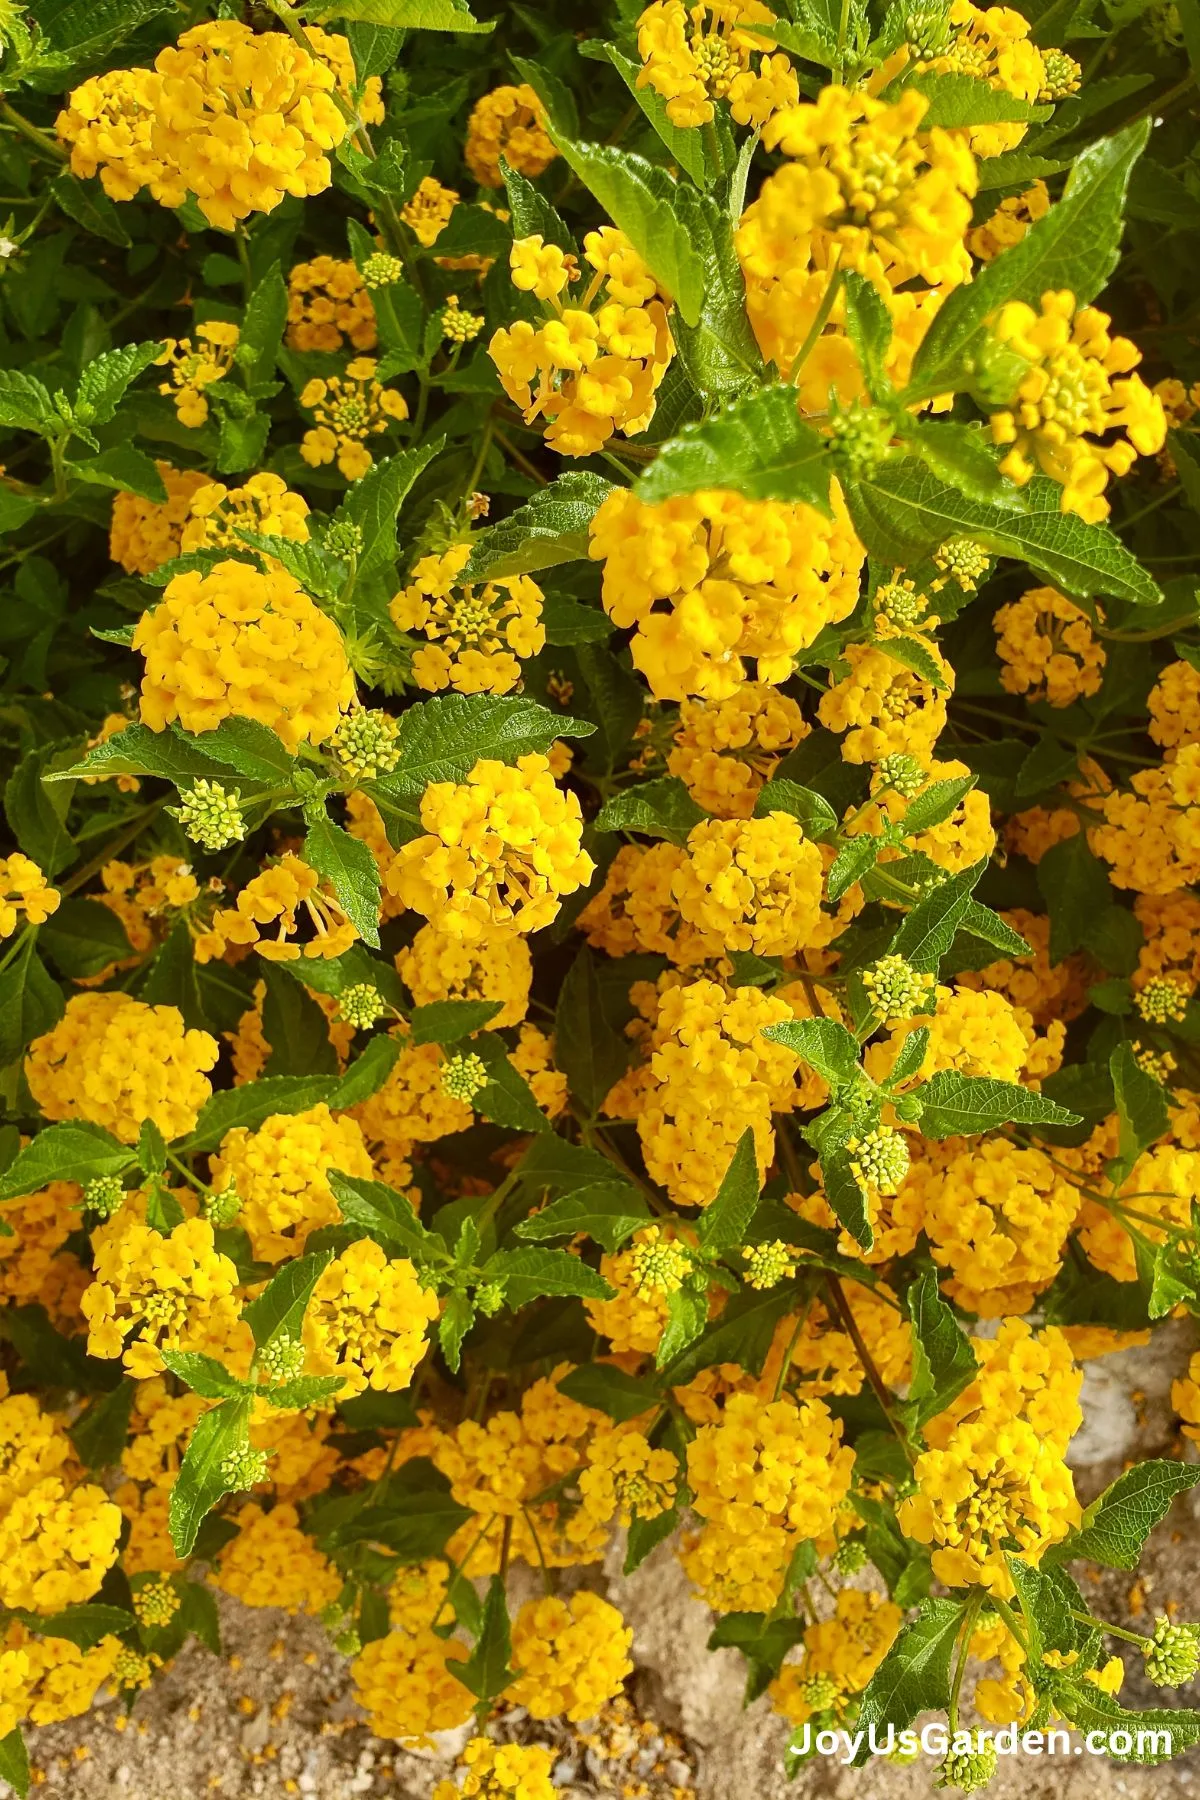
(601, 706)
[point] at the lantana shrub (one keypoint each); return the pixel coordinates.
(601, 706)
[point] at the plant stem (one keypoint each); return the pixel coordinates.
(45, 143)
(1130, 1637)
(823, 311)
(964, 1651)
(849, 1325)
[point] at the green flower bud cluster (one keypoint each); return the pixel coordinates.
(243, 1468)
(103, 1195)
(968, 1770)
(464, 1076)
(343, 538)
(861, 436)
(1164, 999)
(965, 560)
(156, 1603)
(382, 270)
(211, 816)
(1173, 1656)
(361, 1005)
(902, 772)
(366, 743)
(896, 990)
(879, 1159)
(281, 1358)
(769, 1264)
(221, 1207)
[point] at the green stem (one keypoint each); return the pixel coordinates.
(964, 1651)
(823, 311)
(1130, 1637)
(46, 144)
(14, 949)
(243, 251)
(878, 1386)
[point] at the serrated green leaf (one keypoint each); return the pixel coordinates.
(817, 818)
(350, 868)
(660, 809)
(487, 1672)
(1115, 1527)
(1074, 247)
(958, 100)
(125, 468)
(610, 1390)
(929, 929)
(937, 803)
(527, 1275)
(374, 502)
(914, 1676)
(250, 1104)
(443, 739)
(1074, 885)
(105, 379)
(957, 1105)
(401, 15)
(824, 1044)
(508, 1098)
(589, 1051)
(200, 1483)
(384, 1213)
(1157, 1734)
(855, 859)
(280, 1308)
(14, 1762)
(101, 1431)
(725, 1222)
(450, 1021)
(639, 198)
(72, 1151)
(758, 445)
(609, 1211)
(204, 1375)
(687, 1313)
(742, 1334)
(1141, 1108)
(943, 1362)
(365, 1075)
(551, 528)
(686, 145)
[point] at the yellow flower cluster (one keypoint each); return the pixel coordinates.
(508, 122)
(271, 1562)
(328, 304)
(276, 897)
(589, 373)
(994, 1475)
(1151, 831)
(997, 1218)
(178, 1292)
(712, 1075)
(239, 120)
(117, 1062)
(740, 579)
(56, 1539)
(195, 366)
(751, 884)
(768, 1475)
(1077, 387)
(441, 964)
(24, 894)
(570, 1655)
(1048, 649)
(48, 1679)
(348, 410)
(501, 849)
(634, 1319)
(884, 707)
(147, 533)
(724, 750)
(240, 643)
(405, 1684)
(1009, 223)
(413, 1107)
(478, 632)
(1174, 706)
(279, 1175)
(428, 212)
(501, 1772)
(264, 503)
(626, 1478)
(841, 1654)
(367, 1320)
(695, 55)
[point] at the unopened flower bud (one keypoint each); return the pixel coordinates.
(211, 816)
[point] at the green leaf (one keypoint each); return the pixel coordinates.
(349, 866)
(55, 1360)
(1074, 885)
(458, 1316)
(200, 1483)
(25, 405)
(686, 145)
(280, 1308)
(1047, 1598)
(639, 199)
(914, 1676)
(402, 15)
(450, 1021)
(30, 1002)
(443, 739)
(123, 467)
(955, 1105)
(742, 1334)
(929, 929)
(104, 380)
(527, 1275)
(964, 457)
(1156, 1734)
(903, 511)
(37, 814)
(610, 1390)
(487, 1671)
(384, 1213)
(87, 28)
(72, 1151)
(588, 1050)
(609, 1211)
(1141, 1108)
(687, 1314)
(551, 528)
(14, 1762)
(101, 1431)
(724, 1223)
(87, 1624)
(250, 1104)
(958, 100)
(1075, 246)
(365, 1075)
(869, 328)
(375, 500)
(759, 445)
(855, 858)
(658, 809)
(910, 1057)
(817, 818)
(553, 1163)
(1115, 1527)
(263, 324)
(294, 1026)
(824, 1044)
(943, 1362)
(87, 203)
(204, 1375)
(508, 1098)
(718, 355)
(938, 802)
(139, 751)
(843, 1190)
